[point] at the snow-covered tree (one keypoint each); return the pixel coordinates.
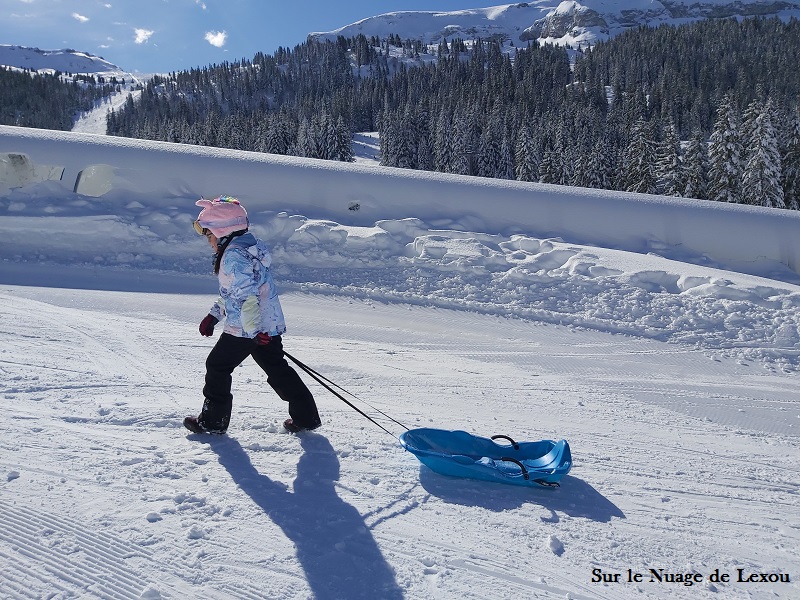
(550, 168)
(725, 154)
(343, 143)
(599, 166)
(489, 155)
(424, 154)
(404, 153)
(442, 144)
(669, 175)
(580, 170)
(506, 166)
(329, 143)
(305, 143)
(465, 146)
(637, 172)
(275, 141)
(761, 184)
(695, 172)
(790, 163)
(526, 165)
(411, 131)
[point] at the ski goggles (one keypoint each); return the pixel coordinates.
(200, 229)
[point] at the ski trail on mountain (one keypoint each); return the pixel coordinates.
(105, 495)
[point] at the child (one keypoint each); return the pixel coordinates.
(253, 322)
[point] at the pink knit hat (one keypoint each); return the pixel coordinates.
(222, 216)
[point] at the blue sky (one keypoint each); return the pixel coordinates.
(167, 35)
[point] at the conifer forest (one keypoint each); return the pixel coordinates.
(708, 110)
(48, 101)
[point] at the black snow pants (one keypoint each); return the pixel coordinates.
(227, 354)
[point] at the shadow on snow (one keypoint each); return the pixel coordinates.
(575, 497)
(335, 548)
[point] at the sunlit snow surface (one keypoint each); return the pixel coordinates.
(675, 384)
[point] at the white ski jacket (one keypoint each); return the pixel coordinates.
(248, 300)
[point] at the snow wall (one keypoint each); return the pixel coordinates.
(745, 238)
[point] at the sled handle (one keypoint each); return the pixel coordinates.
(505, 437)
(519, 464)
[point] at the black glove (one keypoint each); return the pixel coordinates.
(207, 325)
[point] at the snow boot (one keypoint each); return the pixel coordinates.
(293, 427)
(194, 425)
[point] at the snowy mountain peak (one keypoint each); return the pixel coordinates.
(66, 61)
(570, 22)
(496, 22)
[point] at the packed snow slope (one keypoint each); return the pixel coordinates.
(673, 376)
(64, 61)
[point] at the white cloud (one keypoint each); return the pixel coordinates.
(201, 4)
(142, 35)
(79, 17)
(216, 38)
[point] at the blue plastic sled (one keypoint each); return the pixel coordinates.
(461, 454)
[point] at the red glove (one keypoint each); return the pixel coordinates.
(207, 325)
(262, 339)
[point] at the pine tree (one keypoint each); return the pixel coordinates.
(695, 183)
(464, 147)
(316, 135)
(550, 168)
(668, 163)
(580, 173)
(725, 154)
(790, 163)
(387, 137)
(762, 173)
(489, 155)
(277, 141)
(344, 141)
(442, 144)
(411, 132)
(583, 152)
(506, 166)
(403, 153)
(305, 143)
(565, 150)
(525, 161)
(637, 172)
(329, 142)
(424, 154)
(599, 166)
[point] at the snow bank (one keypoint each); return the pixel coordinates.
(749, 239)
(396, 236)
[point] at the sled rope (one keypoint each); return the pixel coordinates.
(329, 385)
